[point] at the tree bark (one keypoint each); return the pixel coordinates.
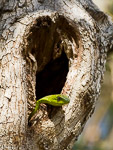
(49, 47)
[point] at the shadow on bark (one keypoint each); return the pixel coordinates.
(49, 46)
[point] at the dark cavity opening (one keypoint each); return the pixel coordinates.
(52, 78)
(47, 42)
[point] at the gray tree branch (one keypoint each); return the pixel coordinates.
(48, 47)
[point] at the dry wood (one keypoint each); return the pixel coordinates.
(48, 47)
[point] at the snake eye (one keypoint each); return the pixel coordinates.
(59, 98)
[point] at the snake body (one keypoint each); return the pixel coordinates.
(54, 100)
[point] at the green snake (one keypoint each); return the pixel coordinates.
(54, 100)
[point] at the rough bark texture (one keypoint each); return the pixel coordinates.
(46, 47)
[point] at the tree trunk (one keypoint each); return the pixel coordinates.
(49, 47)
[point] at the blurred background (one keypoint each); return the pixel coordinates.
(98, 132)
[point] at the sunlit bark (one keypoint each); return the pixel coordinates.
(64, 42)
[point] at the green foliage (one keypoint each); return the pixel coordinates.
(110, 8)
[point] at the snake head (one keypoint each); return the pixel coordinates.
(56, 100)
(63, 99)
